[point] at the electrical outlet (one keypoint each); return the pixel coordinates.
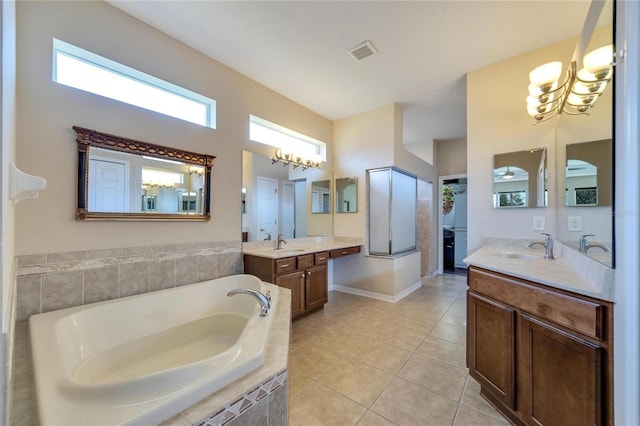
(574, 223)
(318, 240)
(538, 223)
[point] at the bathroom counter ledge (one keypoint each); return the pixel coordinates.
(562, 273)
(297, 250)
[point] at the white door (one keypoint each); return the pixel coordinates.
(108, 190)
(267, 208)
(301, 208)
(288, 210)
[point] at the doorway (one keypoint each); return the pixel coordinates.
(453, 220)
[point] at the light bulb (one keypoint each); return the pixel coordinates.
(545, 75)
(581, 88)
(599, 59)
(580, 100)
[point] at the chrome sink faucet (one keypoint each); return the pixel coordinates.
(280, 241)
(268, 237)
(583, 242)
(264, 300)
(585, 246)
(547, 244)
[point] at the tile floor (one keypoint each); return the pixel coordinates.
(361, 361)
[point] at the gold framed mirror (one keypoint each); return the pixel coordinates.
(126, 179)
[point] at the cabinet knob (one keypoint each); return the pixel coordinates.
(302, 276)
(309, 273)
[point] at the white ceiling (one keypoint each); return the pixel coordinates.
(299, 48)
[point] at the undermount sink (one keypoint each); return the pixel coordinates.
(291, 250)
(520, 256)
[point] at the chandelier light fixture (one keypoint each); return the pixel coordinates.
(578, 92)
(297, 161)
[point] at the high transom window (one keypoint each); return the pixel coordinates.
(268, 133)
(84, 70)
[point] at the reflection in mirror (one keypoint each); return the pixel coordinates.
(520, 179)
(347, 195)
(123, 179)
(588, 174)
(585, 215)
(277, 200)
(321, 196)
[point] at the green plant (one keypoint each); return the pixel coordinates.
(448, 198)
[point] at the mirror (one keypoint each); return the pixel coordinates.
(584, 150)
(588, 174)
(347, 195)
(520, 179)
(285, 207)
(321, 196)
(125, 179)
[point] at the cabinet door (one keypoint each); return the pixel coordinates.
(561, 382)
(316, 287)
(491, 351)
(294, 282)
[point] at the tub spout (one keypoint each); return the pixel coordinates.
(265, 301)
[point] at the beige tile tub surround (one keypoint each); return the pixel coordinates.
(259, 398)
(364, 362)
(47, 282)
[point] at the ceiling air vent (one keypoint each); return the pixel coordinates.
(362, 51)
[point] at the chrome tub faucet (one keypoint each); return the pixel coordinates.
(264, 300)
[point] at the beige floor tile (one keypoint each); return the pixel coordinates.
(454, 319)
(384, 357)
(471, 397)
(297, 383)
(441, 350)
(449, 332)
(319, 405)
(468, 416)
(399, 336)
(372, 419)
(407, 404)
(357, 381)
(340, 342)
(436, 376)
(313, 360)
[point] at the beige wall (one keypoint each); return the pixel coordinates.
(497, 122)
(362, 142)
(47, 111)
(366, 141)
(451, 157)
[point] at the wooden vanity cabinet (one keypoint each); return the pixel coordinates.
(542, 356)
(305, 275)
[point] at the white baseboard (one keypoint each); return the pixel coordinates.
(378, 296)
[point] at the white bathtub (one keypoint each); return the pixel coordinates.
(144, 358)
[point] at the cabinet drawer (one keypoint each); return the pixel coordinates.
(344, 252)
(305, 261)
(321, 258)
(576, 314)
(287, 264)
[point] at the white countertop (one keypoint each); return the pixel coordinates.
(570, 270)
(297, 247)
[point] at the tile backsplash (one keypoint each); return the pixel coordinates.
(47, 282)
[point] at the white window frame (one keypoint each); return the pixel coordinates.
(102, 64)
(286, 139)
